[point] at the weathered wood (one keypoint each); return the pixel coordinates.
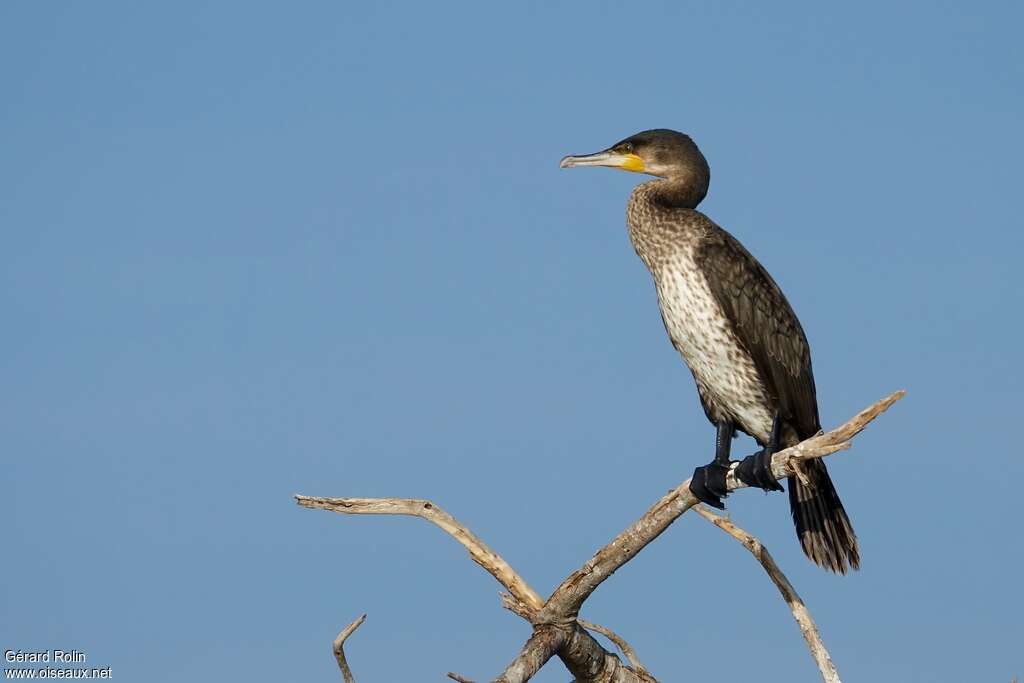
(544, 642)
(338, 646)
(516, 607)
(481, 553)
(577, 587)
(557, 629)
(808, 628)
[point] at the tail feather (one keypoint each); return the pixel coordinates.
(822, 526)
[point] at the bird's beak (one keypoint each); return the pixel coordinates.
(627, 162)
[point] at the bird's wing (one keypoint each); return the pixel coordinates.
(765, 324)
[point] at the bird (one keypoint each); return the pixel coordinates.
(737, 333)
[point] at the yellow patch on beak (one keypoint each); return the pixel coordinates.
(631, 162)
(608, 158)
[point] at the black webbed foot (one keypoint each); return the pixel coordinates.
(708, 484)
(756, 470)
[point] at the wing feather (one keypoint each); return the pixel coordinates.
(765, 324)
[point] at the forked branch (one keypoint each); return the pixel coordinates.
(557, 629)
(516, 607)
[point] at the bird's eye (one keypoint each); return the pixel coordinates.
(626, 147)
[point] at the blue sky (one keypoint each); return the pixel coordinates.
(250, 251)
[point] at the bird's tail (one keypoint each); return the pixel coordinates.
(825, 532)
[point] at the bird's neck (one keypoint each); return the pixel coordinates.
(684, 192)
(661, 219)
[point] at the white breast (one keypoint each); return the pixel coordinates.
(699, 330)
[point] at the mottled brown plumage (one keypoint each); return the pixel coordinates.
(731, 323)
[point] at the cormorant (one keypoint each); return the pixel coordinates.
(736, 331)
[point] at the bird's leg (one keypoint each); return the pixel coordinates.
(756, 470)
(708, 482)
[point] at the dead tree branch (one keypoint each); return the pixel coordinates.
(339, 648)
(542, 645)
(619, 641)
(581, 654)
(491, 561)
(584, 657)
(516, 607)
(800, 612)
(570, 595)
(556, 626)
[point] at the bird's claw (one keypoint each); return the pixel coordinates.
(708, 484)
(756, 470)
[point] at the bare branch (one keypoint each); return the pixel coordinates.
(569, 596)
(556, 628)
(800, 612)
(457, 677)
(516, 607)
(542, 645)
(424, 509)
(619, 641)
(585, 659)
(339, 648)
(582, 655)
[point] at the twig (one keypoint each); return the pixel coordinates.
(339, 648)
(456, 677)
(803, 617)
(619, 641)
(514, 606)
(494, 563)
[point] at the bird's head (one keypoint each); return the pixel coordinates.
(660, 152)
